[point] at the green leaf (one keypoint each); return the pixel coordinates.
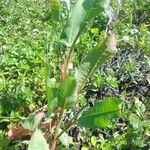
(134, 120)
(48, 82)
(51, 95)
(93, 140)
(101, 113)
(50, 88)
(55, 10)
(32, 122)
(67, 94)
(38, 141)
(52, 105)
(92, 62)
(83, 11)
(81, 74)
(66, 139)
(145, 124)
(29, 122)
(112, 81)
(84, 148)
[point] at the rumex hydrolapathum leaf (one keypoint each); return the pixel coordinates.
(83, 11)
(32, 122)
(50, 88)
(100, 115)
(51, 95)
(67, 93)
(94, 59)
(38, 141)
(29, 122)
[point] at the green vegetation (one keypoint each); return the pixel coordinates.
(74, 75)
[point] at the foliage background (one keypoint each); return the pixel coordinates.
(28, 33)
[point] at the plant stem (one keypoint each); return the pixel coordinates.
(68, 57)
(9, 118)
(40, 109)
(72, 121)
(53, 146)
(64, 74)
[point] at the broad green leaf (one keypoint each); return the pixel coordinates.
(38, 141)
(29, 122)
(50, 89)
(32, 122)
(83, 11)
(82, 74)
(52, 105)
(92, 61)
(100, 115)
(51, 95)
(67, 94)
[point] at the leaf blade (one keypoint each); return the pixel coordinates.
(67, 93)
(83, 11)
(94, 59)
(101, 113)
(38, 141)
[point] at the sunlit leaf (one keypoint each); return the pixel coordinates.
(66, 139)
(100, 115)
(38, 141)
(93, 140)
(84, 148)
